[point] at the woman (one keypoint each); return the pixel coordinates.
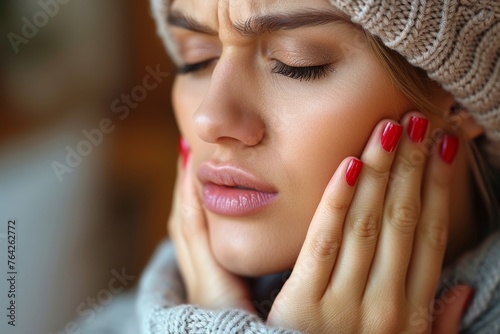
(325, 182)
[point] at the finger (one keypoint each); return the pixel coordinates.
(450, 308)
(175, 229)
(402, 207)
(365, 213)
(194, 227)
(312, 270)
(432, 230)
(190, 233)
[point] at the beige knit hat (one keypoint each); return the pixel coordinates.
(457, 42)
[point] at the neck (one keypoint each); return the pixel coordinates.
(265, 289)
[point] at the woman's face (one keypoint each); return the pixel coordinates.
(281, 93)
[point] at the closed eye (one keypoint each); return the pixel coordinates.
(301, 73)
(195, 67)
(305, 73)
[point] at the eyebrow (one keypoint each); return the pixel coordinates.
(178, 19)
(268, 23)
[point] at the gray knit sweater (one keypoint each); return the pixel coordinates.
(158, 305)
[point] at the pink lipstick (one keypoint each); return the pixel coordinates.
(231, 191)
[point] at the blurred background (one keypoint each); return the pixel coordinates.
(88, 147)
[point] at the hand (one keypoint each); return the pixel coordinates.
(207, 283)
(373, 253)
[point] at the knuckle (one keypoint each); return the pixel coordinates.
(337, 206)
(403, 216)
(377, 173)
(412, 160)
(365, 226)
(324, 247)
(405, 167)
(435, 235)
(441, 180)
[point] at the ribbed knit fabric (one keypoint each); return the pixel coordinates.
(161, 306)
(162, 309)
(457, 42)
(481, 270)
(161, 297)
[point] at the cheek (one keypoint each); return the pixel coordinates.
(335, 124)
(185, 102)
(335, 121)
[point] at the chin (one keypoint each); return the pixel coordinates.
(245, 251)
(245, 262)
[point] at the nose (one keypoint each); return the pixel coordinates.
(229, 113)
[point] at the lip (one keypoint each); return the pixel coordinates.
(229, 190)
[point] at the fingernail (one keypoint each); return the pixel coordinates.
(448, 148)
(417, 128)
(468, 300)
(390, 136)
(353, 171)
(183, 151)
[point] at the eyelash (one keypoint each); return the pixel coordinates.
(191, 68)
(305, 73)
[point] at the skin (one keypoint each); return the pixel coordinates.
(366, 257)
(237, 110)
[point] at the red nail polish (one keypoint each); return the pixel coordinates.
(390, 136)
(183, 151)
(417, 128)
(468, 301)
(353, 171)
(448, 148)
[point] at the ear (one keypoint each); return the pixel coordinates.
(469, 126)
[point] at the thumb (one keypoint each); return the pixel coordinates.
(454, 304)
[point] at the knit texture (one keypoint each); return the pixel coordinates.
(481, 270)
(161, 303)
(162, 309)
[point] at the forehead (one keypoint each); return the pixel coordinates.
(210, 12)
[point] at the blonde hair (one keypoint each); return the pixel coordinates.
(418, 88)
